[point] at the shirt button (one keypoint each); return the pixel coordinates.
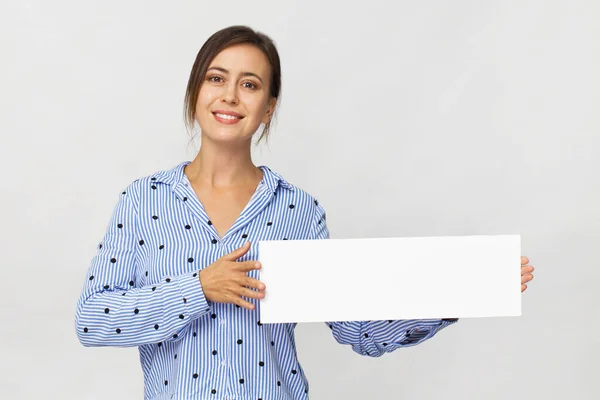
(222, 321)
(223, 363)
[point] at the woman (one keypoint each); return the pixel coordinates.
(175, 273)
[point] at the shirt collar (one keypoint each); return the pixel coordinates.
(175, 176)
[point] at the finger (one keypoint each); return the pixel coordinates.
(526, 269)
(248, 266)
(243, 303)
(253, 283)
(251, 294)
(523, 287)
(524, 260)
(237, 253)
(526, 278)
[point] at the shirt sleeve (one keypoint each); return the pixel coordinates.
(375, 338)
(111, 311)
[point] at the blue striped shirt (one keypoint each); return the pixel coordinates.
(142, 289)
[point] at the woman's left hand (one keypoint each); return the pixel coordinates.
(526, 273)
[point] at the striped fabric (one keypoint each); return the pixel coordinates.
(142, 289)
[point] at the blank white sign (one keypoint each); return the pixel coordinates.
(390, 278)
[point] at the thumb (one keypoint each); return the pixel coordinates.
(237, 253)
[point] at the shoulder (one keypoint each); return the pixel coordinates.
(297, 196)
(144, 185)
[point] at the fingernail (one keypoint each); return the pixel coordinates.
(257, 265)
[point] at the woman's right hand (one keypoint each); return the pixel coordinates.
(226, 280)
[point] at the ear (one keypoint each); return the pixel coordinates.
(270, 110)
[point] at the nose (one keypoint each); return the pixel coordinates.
(230, 94)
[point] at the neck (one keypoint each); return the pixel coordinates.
(223, 166)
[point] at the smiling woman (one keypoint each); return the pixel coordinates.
(176, 272)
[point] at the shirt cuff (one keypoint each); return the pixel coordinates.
(193, 295)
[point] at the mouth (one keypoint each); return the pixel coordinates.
(227, 118)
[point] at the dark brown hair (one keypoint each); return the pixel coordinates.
(219, 41)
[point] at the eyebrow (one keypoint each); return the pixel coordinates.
(243, 73)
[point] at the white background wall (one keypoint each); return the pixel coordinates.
(404, 118)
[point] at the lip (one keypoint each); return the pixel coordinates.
(227, 121)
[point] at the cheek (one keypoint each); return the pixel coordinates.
(258, 107)
(203, 103)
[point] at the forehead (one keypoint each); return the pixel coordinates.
(243, 57)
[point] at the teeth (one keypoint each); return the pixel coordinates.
(225, 116)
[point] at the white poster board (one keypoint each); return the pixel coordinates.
(390, 278)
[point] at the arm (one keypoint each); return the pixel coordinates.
(112, 312)
(374, 338)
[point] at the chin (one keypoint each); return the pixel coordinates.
(226, 136)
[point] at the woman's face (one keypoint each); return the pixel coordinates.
(236, 83)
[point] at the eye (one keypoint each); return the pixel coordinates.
(251, 85)
(215, 78)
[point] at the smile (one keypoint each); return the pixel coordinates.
(227, 119)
